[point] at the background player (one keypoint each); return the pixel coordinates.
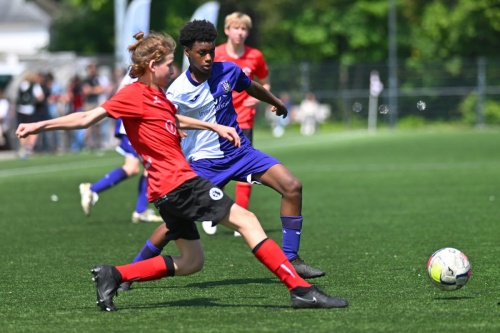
(131, 167)
(237, 27)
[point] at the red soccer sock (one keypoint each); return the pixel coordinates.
(243, 191)
(146, 270)
(271, 255)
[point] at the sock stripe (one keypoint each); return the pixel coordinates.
(257, 247)
(169, 262)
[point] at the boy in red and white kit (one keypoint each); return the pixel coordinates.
(180, 195)
(237, 27)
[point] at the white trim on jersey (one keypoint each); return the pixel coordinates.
(196, 102)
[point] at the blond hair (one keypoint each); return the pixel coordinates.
(238, 18)
(156, 46)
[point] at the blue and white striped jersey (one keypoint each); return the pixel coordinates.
(210, 101)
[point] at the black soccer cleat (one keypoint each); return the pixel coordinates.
(305, 271)
(106, 277)
(125, 286)
(312, 297)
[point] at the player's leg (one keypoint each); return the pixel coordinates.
(284, 182)
(89, 192)
(142, 213)
(303, 294)
(152, 248)
(108, 278)
(181, 229)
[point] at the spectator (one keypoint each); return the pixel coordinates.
(54, 93)
(29, 94)
(279, 123)
(308, 114)
(92, 95)
(75, 101)
(4, 121)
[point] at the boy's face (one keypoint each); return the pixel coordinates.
(163, 71)
(237, 33)
(201, 56)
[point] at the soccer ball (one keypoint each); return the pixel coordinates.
(448, 269)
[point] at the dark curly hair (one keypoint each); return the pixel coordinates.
(197, 31)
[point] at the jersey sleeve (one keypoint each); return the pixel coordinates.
(125, 103)
(242, 81)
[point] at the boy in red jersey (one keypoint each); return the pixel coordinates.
(237, 27)
(179, 194)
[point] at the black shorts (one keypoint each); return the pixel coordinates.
(195, 200)
(27, 118)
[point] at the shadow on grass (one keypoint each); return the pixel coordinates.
(453, 298)
(201, 302)
(206, 302)
(211, 284)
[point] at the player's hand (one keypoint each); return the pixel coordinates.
(24, 130)
(280, 110)
(229, 133)
(250, 102)
(182, 134)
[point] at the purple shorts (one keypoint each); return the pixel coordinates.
(239, 166)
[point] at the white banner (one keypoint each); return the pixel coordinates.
(136, 19)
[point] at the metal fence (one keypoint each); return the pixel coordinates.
(442, 86)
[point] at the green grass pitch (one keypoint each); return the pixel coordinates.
(375, 208)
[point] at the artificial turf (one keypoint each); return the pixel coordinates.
(375, 208)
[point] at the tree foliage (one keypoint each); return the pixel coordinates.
(85, 27)
(315, 30)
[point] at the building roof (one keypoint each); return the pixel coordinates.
(24, 28)
(21, 12)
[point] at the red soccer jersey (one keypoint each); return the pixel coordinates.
(149, 120)
(253, 65)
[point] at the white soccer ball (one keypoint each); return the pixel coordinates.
(448, 269)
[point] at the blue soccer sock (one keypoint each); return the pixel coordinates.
(147, 252)
(142, 195)
(292, 228)
(109, 180)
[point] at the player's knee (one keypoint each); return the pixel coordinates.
(249, 220)
(195, 264)
(293, 187)
(247, 215)
(131, 166)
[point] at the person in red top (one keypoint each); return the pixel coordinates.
(237, 27)
(180, 195)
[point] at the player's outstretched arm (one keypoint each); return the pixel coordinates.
(71, 121)
(258, 91)
(228, 133)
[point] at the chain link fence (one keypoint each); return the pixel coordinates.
(457, 90)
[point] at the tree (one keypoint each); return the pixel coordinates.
(85, 27)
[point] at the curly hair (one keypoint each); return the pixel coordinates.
(156, 46)
(197, 31)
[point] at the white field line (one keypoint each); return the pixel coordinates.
(39, 169)
(396, 167)
(306, 167)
